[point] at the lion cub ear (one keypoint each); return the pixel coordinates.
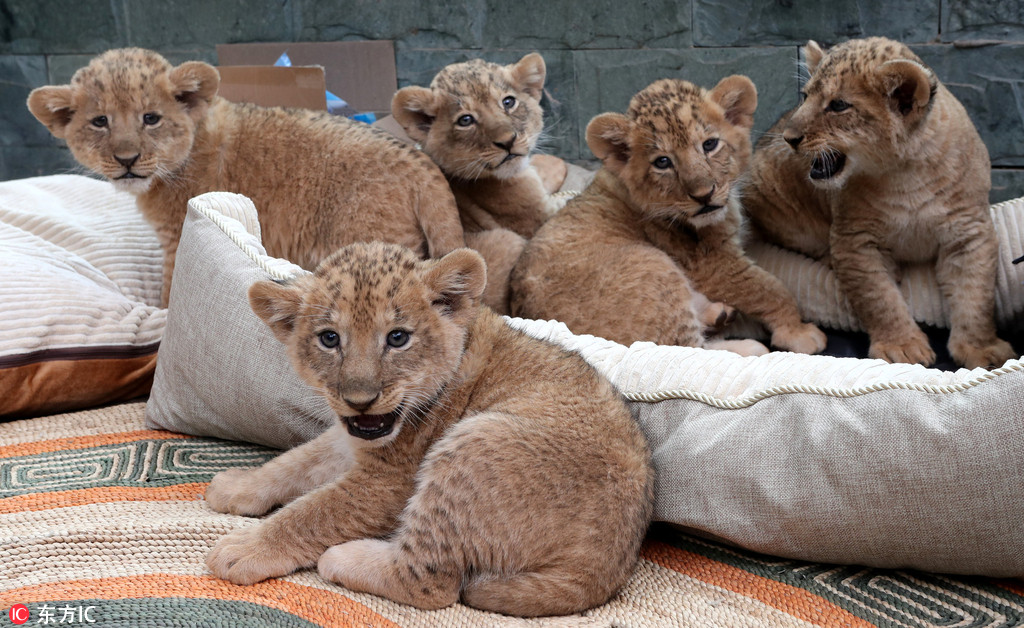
(738, 96)
(608, 139)
(457, 283)
(51, 105)
(195, 84)
(812, 55)
(529, 74)
(277, 305)
(414, 109)
(909, 86)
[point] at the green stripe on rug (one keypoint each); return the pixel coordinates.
(888, 598)
(151, 463)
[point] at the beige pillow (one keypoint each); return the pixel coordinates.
(808, 457)
(80, 321)
(220, 371)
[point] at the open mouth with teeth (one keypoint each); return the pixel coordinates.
(707, 209)
(371, 426)
(826, 167)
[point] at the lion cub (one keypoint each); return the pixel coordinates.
(880, 166)
(320, 181)
(658, 225)
(468, 460)
(480, 122)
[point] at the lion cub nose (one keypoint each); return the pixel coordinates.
(704, 198)
(507, 144)
(127, 162)
(360, 403)
(793, 140)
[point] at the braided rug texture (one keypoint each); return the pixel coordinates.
(98, 514)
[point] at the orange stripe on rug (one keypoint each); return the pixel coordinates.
(312, 604)
(1011, 585)
(82, 442)
(795, 601)
(102, 495)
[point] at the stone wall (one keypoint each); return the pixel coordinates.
(599, 53)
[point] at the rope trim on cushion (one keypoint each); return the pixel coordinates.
(746, 402)
(236, 216)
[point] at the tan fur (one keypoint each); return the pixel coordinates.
(487, 159)
(909, 183)
(513, 475)
(318, 181)
(626, 259)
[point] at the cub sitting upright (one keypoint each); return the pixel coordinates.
(479, 122)
(319, 181)
(469, 459)
(880, 166)
(658, 225)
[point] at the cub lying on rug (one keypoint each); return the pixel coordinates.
(879, 166)
(499, 468)
(479, 122)
(320, 181)
(659, 224)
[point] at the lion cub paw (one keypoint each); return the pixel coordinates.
(235, 491)
(245, 557)
(351, 564)
(747, 347)
(803, 338)
(915, 349)
(715, 317)
(992, 355)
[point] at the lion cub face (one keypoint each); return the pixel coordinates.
(679, 148)
(375, 330)
(129, 115)
(477, 119)
(863, 99)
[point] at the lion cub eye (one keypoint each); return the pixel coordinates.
(465, 120)
(100, 122)
(710, 145)
(509, 102)
(329, 339)
(149, 119)
(838, 105)
(398, 338)
(662, 163)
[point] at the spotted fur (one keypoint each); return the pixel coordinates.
(480, 122)
(459, 445)
(635, 255)
(881, 166)
(318, 181)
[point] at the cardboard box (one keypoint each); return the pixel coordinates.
(272, 86)
(362, 73)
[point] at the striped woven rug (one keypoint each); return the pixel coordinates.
(102, 522)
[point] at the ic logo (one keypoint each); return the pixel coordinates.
(18, 614)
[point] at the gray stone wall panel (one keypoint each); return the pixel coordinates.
(783, 22)
(55, 26)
